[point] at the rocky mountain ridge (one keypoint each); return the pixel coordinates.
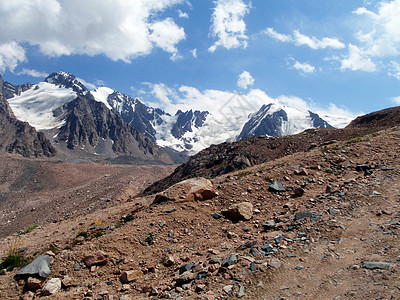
(186, 132)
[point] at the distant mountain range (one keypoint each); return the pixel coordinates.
(106, 123)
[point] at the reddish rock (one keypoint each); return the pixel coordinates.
(33, 284)
(241, 211)
(96, 259)
(132, 275)
(194, 189)
(27, 296)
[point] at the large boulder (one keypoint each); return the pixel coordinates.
(194, 189)
(40, 266)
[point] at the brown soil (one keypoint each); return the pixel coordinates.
(35, 192)
(356, 219)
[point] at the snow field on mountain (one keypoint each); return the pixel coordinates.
(36, 105)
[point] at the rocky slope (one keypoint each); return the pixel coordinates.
(332, 233)
(227, 157)
(379, 119)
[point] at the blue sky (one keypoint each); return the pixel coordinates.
(338, 56)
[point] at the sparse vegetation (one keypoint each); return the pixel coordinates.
(14, 259)
(83, 233)
(30, 229)
(150, 238)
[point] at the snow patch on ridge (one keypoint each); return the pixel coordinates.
(36, 105)
(101, 95)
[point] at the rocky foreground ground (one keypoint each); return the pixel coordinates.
(332, 234)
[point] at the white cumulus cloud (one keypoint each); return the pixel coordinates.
(182, 14)
(396, 100)
(300, 39)
(245, 80)
(228, 26)
(238, 106)
(276, 35)
(11, 55)
(357, 60)
(33, 73)
(314, 43)
(382, 38)
(304, 67)
(121, 30)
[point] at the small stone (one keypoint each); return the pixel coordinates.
(253, 267)
(228, 289)
(242, 291)
(215, 260)
(27, 296)
(33, 284)
(372, 265)
(230, 260)
(168, 260)
(240, 211)
(131, 275)
(276, 186)
(217, 216)
(187, 267)
(301, 172)
(97, 258)
(275, 263)
(268, 225)
(303, 215)
(52, 287)
(200, 288)
(185, 277)
(66, 282)
(298, 192)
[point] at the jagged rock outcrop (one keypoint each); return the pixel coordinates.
(19, 137)
(186, 121)
(136, 114)
(9, 90)
(67, 80)
(89, 123)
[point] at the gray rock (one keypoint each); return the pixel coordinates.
(228, 289)
(268, 225)
(52, 287)
(230, 260)
(217, 216)
(242, 291)
(276, 186)
(267, 248)
(40, 266)
(302, 215)
(253, 267)
(215, 260)
(372, 265)
(361, 168)
(187, 267)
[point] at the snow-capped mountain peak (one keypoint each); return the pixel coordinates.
(275, 120)
(68, 81)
